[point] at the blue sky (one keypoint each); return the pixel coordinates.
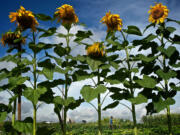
(90, 12)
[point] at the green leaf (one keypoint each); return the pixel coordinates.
(81, 35)
(175, 88)
(166, 76)
(134, 30)
(64, 102)
(46, 64)
(139, 99)
(114, 64)
(171, 29)
(58, 60)
(176, 65)
(171, 20)
(170, 50)
(48, 32)
(149, 38)
(118, 77)
(39, 47)
(147, 82)
(162, 104)
(112, 105)
(43, 17)
(48, 68)
(3, 116)
(69, 101)
(58, 100)
(34, 95)
(3, 76)
(9, 58)
(176, 39)
(79, 58)
(89, 93)
(62, 71)
(60, 51)
(115, 43)
(15, 81)
(135, 70)
(147, 27)
(94, 64)
(145, 58)
(51, 84)
(48, 73)
(25, 126)
(82, 75)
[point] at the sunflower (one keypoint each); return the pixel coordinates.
(96, 50)
(113, 21)
(24, 18)
(158, 13)
(67, 14)
(12, 39)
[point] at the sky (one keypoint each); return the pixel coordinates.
(90, 13)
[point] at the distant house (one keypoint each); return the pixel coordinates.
(47, 122)
(84, 121)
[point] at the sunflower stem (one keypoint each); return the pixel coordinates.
(20, 90)
(169, 121)
(34, 120)
(35, 83)
(99, 109)
(66, 88)
(14, 113)
(132, 92)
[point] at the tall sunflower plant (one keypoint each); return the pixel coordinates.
(95, 66)
(25, 20)
(162, 64)
(14, 41)
(65, 65)
(127, 73)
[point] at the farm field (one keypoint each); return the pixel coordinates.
(152, 126)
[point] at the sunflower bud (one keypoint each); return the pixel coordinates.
(96, 50)
(66, 14)
(12, 39)
(24, 18)
(112, 21)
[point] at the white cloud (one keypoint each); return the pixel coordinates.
(7, 65)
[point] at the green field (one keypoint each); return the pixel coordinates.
(151, 125)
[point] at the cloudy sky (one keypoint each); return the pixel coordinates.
(89, 12)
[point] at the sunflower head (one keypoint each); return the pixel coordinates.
(158, 13)
(66, 14)
(12, 39)
(96, 50)
(112, 21)
(24, 18)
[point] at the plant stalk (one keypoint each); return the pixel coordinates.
(134, 119)
(34, 121)
(20, 90)
(65, 108)
(66, 90)
(169, 121)
(99, 109)
(132, 93)
(35, 83)
(14, 113)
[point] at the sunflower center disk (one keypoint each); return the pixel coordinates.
(157, 13)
